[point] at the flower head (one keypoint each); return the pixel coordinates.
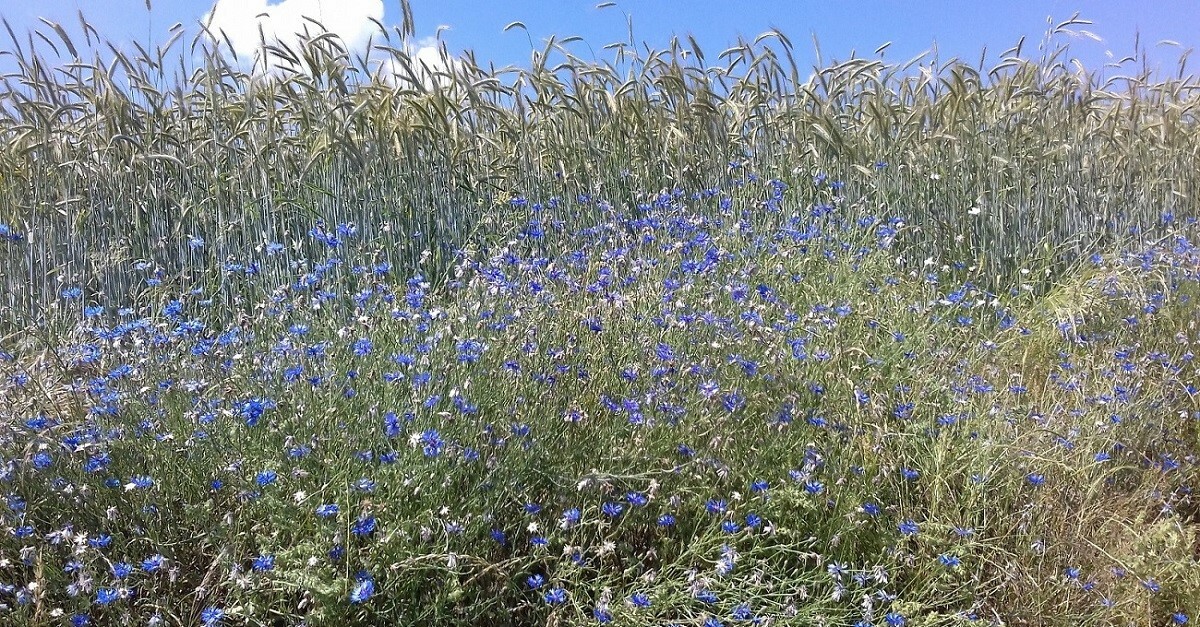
(363, 590)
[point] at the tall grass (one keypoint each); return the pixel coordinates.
(647, 341)
(132, 156)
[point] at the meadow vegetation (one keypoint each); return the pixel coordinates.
(658, 339)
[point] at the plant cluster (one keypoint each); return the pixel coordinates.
(730, 407)
(640, 342)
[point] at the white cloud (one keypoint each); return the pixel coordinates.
(427, 61)
(355, 22)
(240, 20)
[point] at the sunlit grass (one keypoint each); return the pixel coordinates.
(645, 342)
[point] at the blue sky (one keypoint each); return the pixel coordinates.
(961, 28)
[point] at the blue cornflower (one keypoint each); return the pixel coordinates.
(870, 509)
(949, 561)
(96, 463)
(263, 563)
(798, 351)
(909, 528)
(364, 526)
(666, 520)
(211, 616)
(1036, 480)
(266, 478)
(153, 563)
(42, 460)
(612, 510)
(895, 619)
(362, 591)
(8, 233)
(121, 570)
(392, 425)
(101, 541)
(104, 596)
(431, 443)
(555, 596)
(173, 309)
(733, 401)
(469, 351)
(336, 553)
(637, 499)
(716, 506)
(570, 517)
(639, 599)
(253, 409)
(861, 397)
(362, 347)
(535, 581)
(1179, 618)
(602, 615)
(328, 510)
